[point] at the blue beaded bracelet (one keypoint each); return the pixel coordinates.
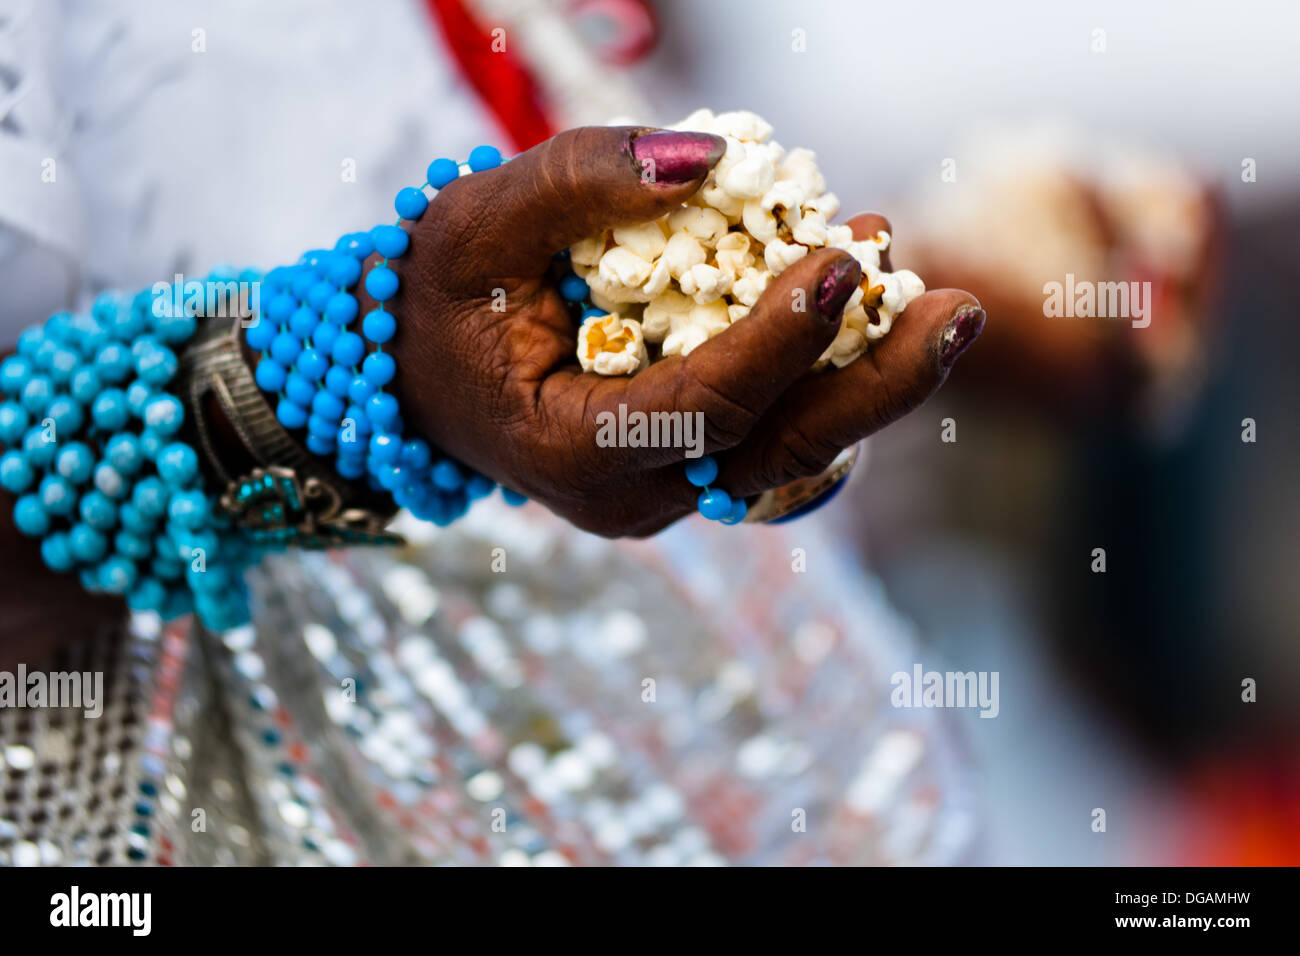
(332, 385)
(96, 461)
(714, 503)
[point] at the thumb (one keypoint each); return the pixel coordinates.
(574, 185)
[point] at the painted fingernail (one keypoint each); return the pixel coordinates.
(966, 325)
(672, 157)
(836, 286)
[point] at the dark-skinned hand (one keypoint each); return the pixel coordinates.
(501, 389)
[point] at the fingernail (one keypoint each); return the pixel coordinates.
(957, 336)
(836, 286)
(673, 157)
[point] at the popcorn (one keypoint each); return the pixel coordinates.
(611, 345)
(681, 279)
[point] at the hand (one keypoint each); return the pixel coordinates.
(501, 390)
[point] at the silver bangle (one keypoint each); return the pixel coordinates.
(290, 497)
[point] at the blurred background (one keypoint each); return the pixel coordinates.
(1010, 144)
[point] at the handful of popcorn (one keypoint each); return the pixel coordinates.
(677, 281)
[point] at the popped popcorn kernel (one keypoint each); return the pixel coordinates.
(611, 345)
(677, 281)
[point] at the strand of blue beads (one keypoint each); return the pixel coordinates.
(95, 461)
(330, 383)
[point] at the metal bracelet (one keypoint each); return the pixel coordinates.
(291, 497)
(777, 503)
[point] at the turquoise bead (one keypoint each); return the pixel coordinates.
(381, 283)
(714, 504)
(379, 368)
(290, 414)
(150, 495)
(30, 517)
(157, 365)
(478, 486)
(416, 454)
(16, 475)
(323, 339)
(260, 334)
(113, 362)
(312, 366)
(39, 447)
(58, 497)
(285, 348)
(379, 326)
(446, 476)
(411, 203)
(14, 373)
(147, 595)
(359, 245)
(75, 462)
(56, 552)
(574, 288)
(164, 414)
(512, 498)
(345, 270)
(702, 471)
(319, 296)
(110, 411)
(390, 241)
(381, 409)
(738, 511)
(117, 575)
(123, 453)
(151, 443)
(270, 375)
(441, 173)
(342, 307)
(37, 394)
(299, 390)
(317, 444)
(328, 406)
(280, 308)
(484, 157)
(349, 349)
(189, 509)
(175, 329)
(178, 465)
(303, 322)
(360, 390)
(337, 381)
(385, 449)
(98, 510)
(111, 481)
(137, 394)
(322, 429)
(133, 541)
(13, 422)
(88, 545)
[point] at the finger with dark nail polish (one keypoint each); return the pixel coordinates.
(673, 158)
(957, 335)
(836, 286)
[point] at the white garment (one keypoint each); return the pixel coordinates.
(187, 136)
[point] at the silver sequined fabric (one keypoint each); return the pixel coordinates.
(506, 691)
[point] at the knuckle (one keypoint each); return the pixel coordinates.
(726, 420)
